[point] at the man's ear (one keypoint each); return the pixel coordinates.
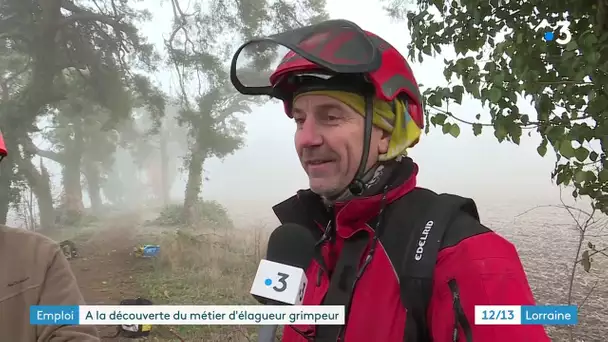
(384, 141)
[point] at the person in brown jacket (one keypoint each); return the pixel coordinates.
(34, 271)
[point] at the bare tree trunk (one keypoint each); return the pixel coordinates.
(72, 186)
(45, 199)
(164, 165)
(31, 219)
(40, 184)
(195, 176)
(91, 173)
(6, 174)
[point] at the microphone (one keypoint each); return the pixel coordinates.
(280, 278)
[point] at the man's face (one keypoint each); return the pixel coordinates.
(329, 142)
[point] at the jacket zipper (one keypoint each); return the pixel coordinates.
(328, 233)
(459, 317)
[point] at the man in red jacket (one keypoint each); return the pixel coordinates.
(382, 250)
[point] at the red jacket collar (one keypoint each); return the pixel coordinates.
(356, 211)
(306, 208)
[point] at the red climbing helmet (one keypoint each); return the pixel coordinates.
(330, 48)
(331, 55)
(3, 152)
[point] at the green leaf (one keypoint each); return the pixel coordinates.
(542, 149)
(426, 50)
(454, 130)
(477, 129)
(560, 179)
(434, 100)
(586, 261)
(457, 92)
(566, 149)
(581, 154)
(593, 156)
(554, 134)
(580, 176)
(446, 128)
(440, 118)
(603, 176)
(500, 133)
(590, 176)
(478, 116)
(495, 95)
(515, 131)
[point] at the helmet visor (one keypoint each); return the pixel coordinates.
(339, 46)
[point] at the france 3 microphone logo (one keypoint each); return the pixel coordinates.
(282, 282)
(561, 35)
(279, 282)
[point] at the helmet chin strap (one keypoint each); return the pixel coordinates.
(357, 185)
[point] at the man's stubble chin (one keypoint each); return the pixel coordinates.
(325, 187)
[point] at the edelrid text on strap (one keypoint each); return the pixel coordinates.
(422, 240)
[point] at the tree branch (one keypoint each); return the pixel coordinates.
(597, 251)
(80, 14)
(29, 146)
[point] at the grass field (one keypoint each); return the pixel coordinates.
(205, 269)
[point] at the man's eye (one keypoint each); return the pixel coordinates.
(331, 118)
(298, 121)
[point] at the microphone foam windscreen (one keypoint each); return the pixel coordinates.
(291, 244)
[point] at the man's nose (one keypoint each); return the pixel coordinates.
(309, 134)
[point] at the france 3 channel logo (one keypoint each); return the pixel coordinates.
(279, 282)
(561, 35)
(281, 285)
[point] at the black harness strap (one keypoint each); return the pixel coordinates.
(342, 282)
(416, 274)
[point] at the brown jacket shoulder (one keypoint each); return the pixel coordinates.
(34, 271)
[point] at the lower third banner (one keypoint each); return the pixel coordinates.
(187, 314)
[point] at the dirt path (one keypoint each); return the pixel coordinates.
(106, 269)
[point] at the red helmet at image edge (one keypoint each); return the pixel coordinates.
(3, 152)
(393, 78)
